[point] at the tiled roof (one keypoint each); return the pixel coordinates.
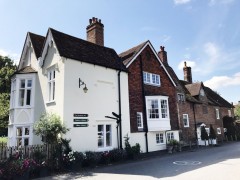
(81, 50)
(129, 54)
(189, 97)
(194, 88)
(216, 98)
(37, 42)
(26, 70)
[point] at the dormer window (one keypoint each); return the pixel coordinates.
(181, 97)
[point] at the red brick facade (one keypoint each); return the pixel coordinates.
(152, 65)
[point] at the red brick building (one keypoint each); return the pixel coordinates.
(152, 96)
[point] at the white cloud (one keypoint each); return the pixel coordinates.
(177, 2)
(224, 2)
(191, 64)
(166, 38)
(14, 56)
(223, 81)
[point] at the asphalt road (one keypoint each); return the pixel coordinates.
(220, 163)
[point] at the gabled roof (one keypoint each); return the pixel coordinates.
(216, 98)
(26, 70)
(84, 51)
(37, 43)
(130, 55)
(189, 97)
(194, 88)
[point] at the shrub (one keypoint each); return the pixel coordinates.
(91, 158)
(116, 155)
(132, 151)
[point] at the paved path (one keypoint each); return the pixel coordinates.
(220, 163)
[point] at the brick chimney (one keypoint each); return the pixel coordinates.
(187, 73)
(162, 54)
(95, 31)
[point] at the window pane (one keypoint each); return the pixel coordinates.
(144, 77)
(157, 79)
(148, 78)
(19, 131)
(28, 97)
(49, 90)
(29, 83)
(26, 142)
(157, 138)
(19, 141)
(100, 136)
(53, 91)
(108, 135)
(139, 120)
(21, 97)
(154, 79)
(22, 83)
(53, 74)
(26, 131)
(164, 108)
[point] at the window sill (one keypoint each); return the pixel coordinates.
(51, 103)
(160, 144)
(105, 149)
(149, 84)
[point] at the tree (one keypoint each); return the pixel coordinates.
(237, 111)
(7, 69)
(50, 127)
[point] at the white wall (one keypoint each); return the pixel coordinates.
(100, 101)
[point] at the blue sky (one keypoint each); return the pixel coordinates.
(205, 33)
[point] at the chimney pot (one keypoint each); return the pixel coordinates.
(187, 71)
(95, 31)
(162, 54)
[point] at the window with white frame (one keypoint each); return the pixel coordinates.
(229, 113)
(157, 107)
(51, 85)
(219, 131)
(104, 136)
(25, 89)
(152, 79)
(139, 120)
(217, 114)
(159, 138)
(181, 97)
(22, 136)
(13, 94)
(185, 120)
(170, 136)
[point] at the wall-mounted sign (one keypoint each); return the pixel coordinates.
(80, 120)
(80, 125)
(80, 115)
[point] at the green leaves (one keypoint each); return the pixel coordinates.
(50, 127)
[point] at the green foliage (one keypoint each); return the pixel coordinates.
(212, 134)
(173, 142)
(4, 113)
(237, 111)
(91, 158)
(132, 151)
(7, 69)
(3, 140)
(50, 127)
(204, 134)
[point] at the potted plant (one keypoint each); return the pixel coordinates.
(172, 145)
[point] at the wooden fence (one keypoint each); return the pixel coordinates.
(25, 151)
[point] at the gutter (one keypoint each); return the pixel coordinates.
(119, 108)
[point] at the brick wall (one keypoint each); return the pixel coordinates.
(152, 65)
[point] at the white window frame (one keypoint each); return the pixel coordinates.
(219, 130)
(151, 79)
(25, 90)
(217, 113)
(51, 85)
(160, 138)
(23, 136)
(185, 116)
(13, 93)
(159, 112)
(229, 113)
(181, 97)
(139, 120)
(103, 135)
